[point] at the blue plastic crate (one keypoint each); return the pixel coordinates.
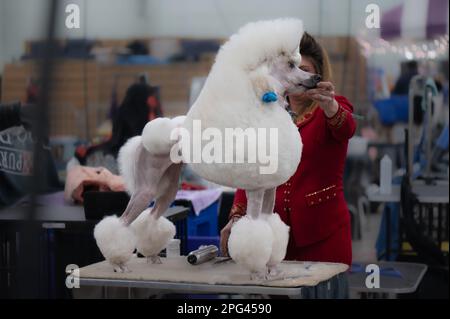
(205, 224)
(393, 110)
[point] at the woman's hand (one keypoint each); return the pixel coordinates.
(324, 96)
(225, 234)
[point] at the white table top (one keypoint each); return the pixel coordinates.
(226, 277)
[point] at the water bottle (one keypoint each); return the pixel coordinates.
(173, 248)
(386, 175)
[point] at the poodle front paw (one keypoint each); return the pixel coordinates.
(280, 239)
(258, 276)
(273, 271)
(250, 243)
(115, 241)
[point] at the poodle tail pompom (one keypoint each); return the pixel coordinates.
(126, 162)
(115, 241)
(250, 243)
(178, 120)
(159, 135)
(280, 239)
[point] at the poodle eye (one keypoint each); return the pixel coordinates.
(291, 65)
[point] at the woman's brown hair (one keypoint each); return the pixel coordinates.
(310, 48)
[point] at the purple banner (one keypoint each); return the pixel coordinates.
(437, 18)
(391, 22)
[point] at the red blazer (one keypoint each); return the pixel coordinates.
(312, 201)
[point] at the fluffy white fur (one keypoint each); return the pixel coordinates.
(115, 241)
(156, 136)
(250, 243)
(126, 166)
(259, 41)
(280, 239)
(231, 99)
(153, 235)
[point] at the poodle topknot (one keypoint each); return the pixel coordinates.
(259, 41)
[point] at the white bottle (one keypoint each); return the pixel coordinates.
(386, 175)
(173, 248)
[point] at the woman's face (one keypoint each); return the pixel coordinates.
(300, 98)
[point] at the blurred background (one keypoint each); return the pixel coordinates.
(127, 62)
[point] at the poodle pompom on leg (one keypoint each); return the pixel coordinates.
(153, 234)
(280, 242)
(115, 241)
(250, 244)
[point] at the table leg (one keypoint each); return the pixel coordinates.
(388, 232)
(295, 296)
(439, 227)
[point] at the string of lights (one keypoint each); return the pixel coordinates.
(411, 50)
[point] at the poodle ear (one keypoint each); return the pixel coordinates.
(260, 79)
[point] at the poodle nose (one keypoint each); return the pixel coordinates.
(311, 82)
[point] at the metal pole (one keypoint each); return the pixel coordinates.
(29, 276)
(428, 131)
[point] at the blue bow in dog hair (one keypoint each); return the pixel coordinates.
(269, 97)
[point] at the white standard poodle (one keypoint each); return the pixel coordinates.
(245, 90)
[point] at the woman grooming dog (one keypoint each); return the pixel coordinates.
(312, 201)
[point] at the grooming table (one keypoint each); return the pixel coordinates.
(176, 275)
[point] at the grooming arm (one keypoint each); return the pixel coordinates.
(239, 207)
(342, 125)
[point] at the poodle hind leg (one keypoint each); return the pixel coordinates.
(155, 259)
(168, 189)
(115, 241)
(114, 238)
(138, 203)
(153, 230)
